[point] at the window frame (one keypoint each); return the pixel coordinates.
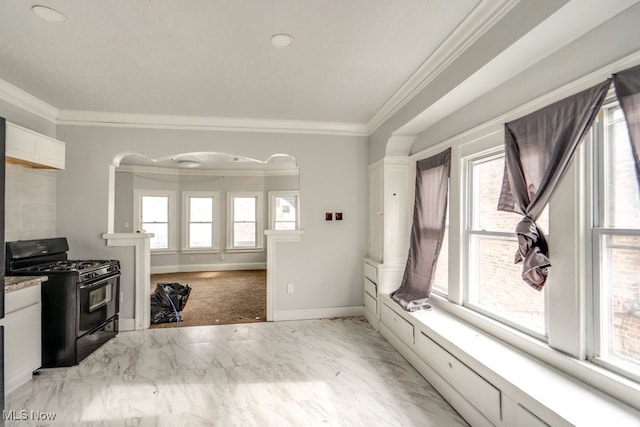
(172, 216)
(258, 195)
(272, 207)
(598, 302)
(215, 223)
(469, 232)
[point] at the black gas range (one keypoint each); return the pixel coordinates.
(80, 301)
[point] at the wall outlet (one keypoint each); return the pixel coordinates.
(192, 258)
(221, 257)
(126, 225)
(290, 288)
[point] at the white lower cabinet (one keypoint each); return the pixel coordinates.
(370, 293)
(397, 324)
(22, 348)
(479, 392)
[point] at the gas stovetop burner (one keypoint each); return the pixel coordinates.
(68, 265)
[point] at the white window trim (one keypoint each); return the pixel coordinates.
(272, 207)
(470, 232)
(259, 195)
(593, 203)
(186, 195)
(137, 216)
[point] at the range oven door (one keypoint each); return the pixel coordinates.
(97, 302)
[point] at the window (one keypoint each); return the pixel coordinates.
(284, 210)
(494, 284)
(201, 220)
(244, 213)
(155, 213)
(441, 277)
(616, 244)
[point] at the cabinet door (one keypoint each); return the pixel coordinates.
(28, 148)
(21, 144)
(51, 153)
(375, 214)
(22, 357)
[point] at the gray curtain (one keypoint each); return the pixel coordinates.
(427, 231)
(538, 151)
(627, 84)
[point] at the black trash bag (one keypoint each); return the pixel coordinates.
(167, 302)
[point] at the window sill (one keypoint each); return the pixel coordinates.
(241, 250)
(528, 376)
(200, 251)
(163, 252)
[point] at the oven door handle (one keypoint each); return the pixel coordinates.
(96, 284)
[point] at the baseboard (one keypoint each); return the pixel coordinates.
(126, 324)
(163, 269)
(318, 313)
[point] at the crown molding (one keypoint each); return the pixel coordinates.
(159, 121)
(27, 102)
(31, 104)
(475, 25)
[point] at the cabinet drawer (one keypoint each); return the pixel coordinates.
(524, 418)
(400, 327)
(370, 272)
(21, 298)
(370, 288)
(478, 391)
(370, 304)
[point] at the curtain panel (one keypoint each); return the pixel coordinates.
(627, 84)
(427, 231)
(539, 148)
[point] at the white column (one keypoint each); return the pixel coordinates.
(142, 270)
(273, 238)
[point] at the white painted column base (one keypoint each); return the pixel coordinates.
(142, 269)
(273, 238)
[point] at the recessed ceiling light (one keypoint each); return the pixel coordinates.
(281, 40)
(49, 15)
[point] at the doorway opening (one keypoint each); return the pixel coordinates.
(219, 297)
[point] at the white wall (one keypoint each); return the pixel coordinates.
(325, 266)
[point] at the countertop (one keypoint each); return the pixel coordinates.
(13, 283)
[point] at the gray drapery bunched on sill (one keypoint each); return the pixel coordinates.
(427, 231)
(627, 84)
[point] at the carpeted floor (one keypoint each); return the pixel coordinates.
(219, 297)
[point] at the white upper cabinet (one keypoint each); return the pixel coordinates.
(388, 206)
(32, 149)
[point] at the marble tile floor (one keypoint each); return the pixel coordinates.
(326, 372)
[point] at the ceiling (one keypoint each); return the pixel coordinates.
(194, 58)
